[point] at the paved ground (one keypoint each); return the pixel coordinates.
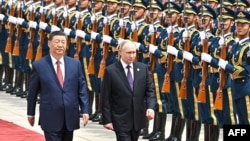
(13, 109)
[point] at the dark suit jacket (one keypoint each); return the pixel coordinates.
(57, 105)
(121, 106)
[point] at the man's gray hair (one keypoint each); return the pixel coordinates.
(123, 43)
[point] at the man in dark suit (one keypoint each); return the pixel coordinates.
(62, 88)
(123, 93)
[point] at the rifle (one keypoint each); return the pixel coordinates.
(16, 49)
(166, 82)
(218, 104)
(1, 2)
(91, 66)
(135, 32)
(202, 87)
(8, 47)
(186, 65)
(42, 34)
(152, 40)
(29, 54)
(105, 48)
(78, 39)
(66, 23)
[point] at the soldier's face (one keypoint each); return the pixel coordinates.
(139, 12)
(228, 23)
(214, 5)
(58, 45)
(155, 12)
(112, 7)
(126, 9)
(172, 19)
(190, 19)
(72, 2)
(207, 21)
(83, 4)
(242, 29)
(98, 5)
(58, 2)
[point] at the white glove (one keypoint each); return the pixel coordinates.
(80, 33)
(121, 23)
(133, 26)
(185, 34)
(93, 35)
(77, 15)
(93, 18)
(151, 28)
(172, 50)
(106, 39)
(54, 28)
(206, 57)
(137, 45)
(20, 21)
(43, 25)
(12, 19)
(169, 29)
(221, 41)
(32, 24)
(202, 35)
(53, 12)
(222, 63)
(105, 20)
(67, 31)
(152, 48)
(65, 14)
(188, 56)
(1, 17)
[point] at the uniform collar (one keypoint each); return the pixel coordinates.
(243, 40)
(228, 34)
(190, 27)
(111, 16)
(28, 3)
(48, 6)
(38, 2)
(72, 9)
(138, 22)
(84, 11)
(60, 7)
(98, 13)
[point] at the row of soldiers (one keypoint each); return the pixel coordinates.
(197, 52)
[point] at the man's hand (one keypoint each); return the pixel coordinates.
(108, 126)
(150, 114)
(85, 118)
(31, 120)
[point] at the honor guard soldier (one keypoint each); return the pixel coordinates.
(20, 47)
(188, 47)
(3, 38)
(45, 10)
(241, 5)
(30, 21)
(157, 69)
(172, 13)
(8, 34)
(225, 114)
(239, 68)
(205, 95)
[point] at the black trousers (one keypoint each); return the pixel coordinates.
(62, 135)
(131, 135)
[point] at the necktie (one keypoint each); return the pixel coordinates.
(129, 77)
(59, 73)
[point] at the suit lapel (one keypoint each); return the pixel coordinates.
(121, 72)
(67, 71)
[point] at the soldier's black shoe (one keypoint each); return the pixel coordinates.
(16, 90)
(24, 94)
(158, 136)
(7, 87)
(148, 136)
(97, 118)
(92, 116)
(143, 132)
